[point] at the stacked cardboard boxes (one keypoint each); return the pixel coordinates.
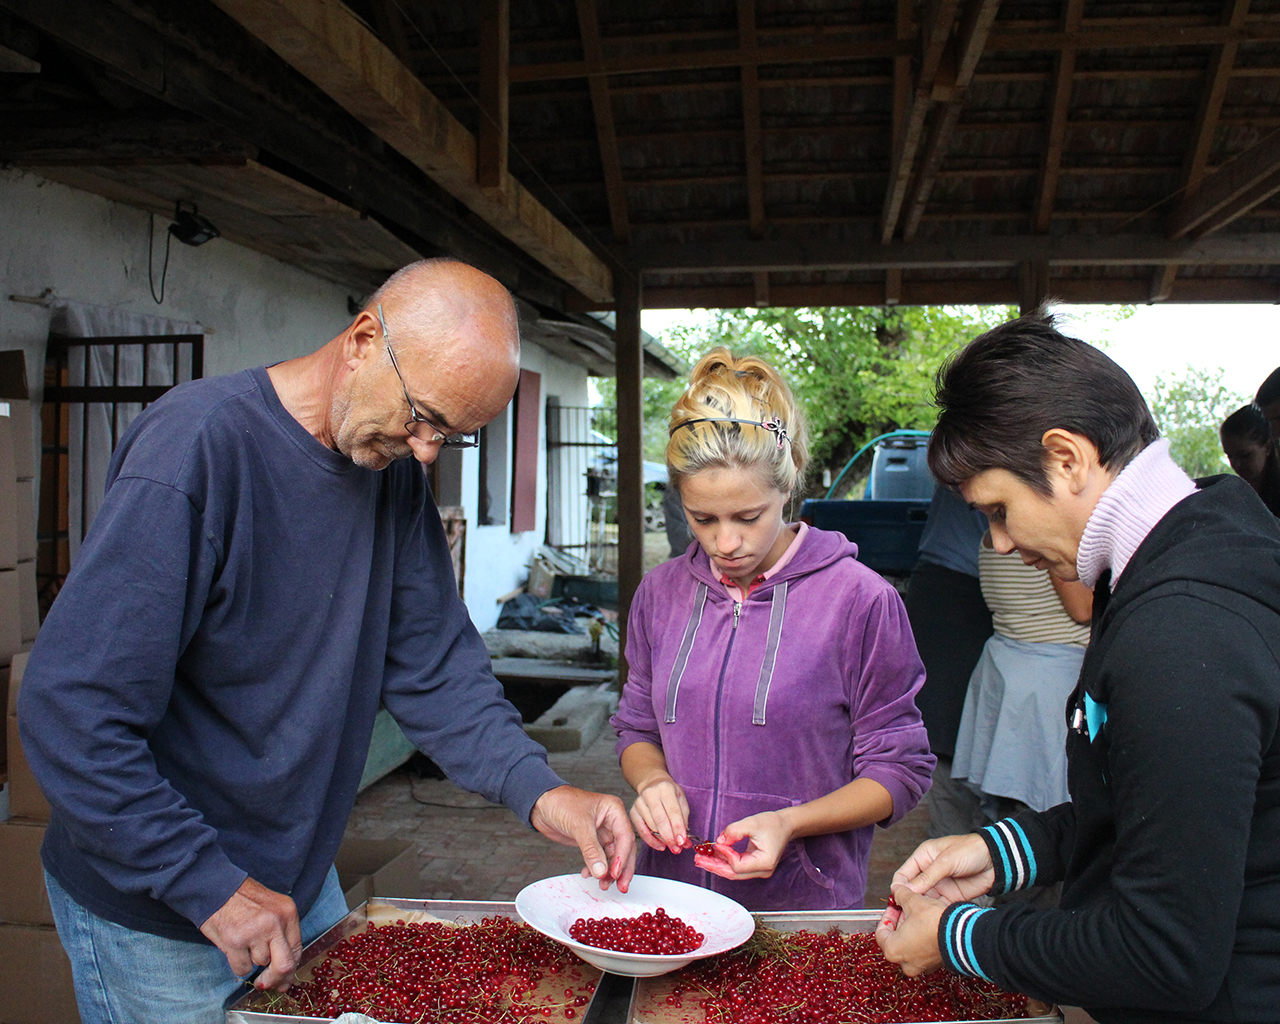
(35, 975)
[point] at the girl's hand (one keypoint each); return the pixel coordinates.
(952, 868)
(767, 836)
(660, 815)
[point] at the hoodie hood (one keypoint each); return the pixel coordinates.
(820, 549)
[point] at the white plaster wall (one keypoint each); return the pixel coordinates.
(497, 559)
(255, 309)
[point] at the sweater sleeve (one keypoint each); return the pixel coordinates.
(439, 683)
(890, 743)
(91, 697)
(1185, 734)
(636, 720)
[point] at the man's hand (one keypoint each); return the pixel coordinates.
(258, 927)
(952, 868)
(908, 933)
(595, 823)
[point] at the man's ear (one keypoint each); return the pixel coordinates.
(1069, 457)
(362, 339)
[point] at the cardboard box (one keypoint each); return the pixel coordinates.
(35, 977)
(25, 798)
(25, 514)
(24, 445)
(8, 492)
(28, 602)
(10, 614)
(377, 867)
(23, 898)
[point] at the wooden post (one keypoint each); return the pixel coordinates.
(491, 148)
(630, 363)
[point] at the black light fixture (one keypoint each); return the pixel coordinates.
(189, 227)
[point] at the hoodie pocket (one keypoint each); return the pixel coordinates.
(797, 883)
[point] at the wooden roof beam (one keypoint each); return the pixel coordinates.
(1217, 78)
(971, 40)
(738, 256)
(1234, 189)
(1159, 33)
(935, 34)
(327, 43)
(1059, 107)
(492, 141)
(904, 28)
(753, 137)
(602, 109)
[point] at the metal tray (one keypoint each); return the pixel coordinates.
(648, 998)
(461, 912)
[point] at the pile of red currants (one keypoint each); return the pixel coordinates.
(651, 933)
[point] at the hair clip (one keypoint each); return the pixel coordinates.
(773, 424)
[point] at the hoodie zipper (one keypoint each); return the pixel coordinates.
(724, 665)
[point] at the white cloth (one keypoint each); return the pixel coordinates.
(1013, 731)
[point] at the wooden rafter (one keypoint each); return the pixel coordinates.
(813, 255)
(1157, 33)
(1064, 68)
(1217, 78)
(934, 33)
(753, 137)
(494, 54)
(975, 26)
(390, 26)
(606, 132)
(1231, 191)
(904, 29)
(328, 44)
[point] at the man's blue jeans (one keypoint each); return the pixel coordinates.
(124, 976)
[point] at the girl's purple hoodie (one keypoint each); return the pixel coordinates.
(774, 701)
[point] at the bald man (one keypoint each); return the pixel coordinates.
(267, 569)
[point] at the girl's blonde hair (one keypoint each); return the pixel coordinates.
(737, 413)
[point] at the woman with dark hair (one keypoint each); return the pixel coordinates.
(1169, 848)
(1247, 443)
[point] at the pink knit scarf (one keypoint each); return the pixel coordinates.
(1128, 510)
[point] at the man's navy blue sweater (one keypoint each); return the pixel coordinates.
(199, 703)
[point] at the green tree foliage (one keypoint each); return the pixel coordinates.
(857, 371)
(1188, 409)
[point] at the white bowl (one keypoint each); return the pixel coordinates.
(553, 904)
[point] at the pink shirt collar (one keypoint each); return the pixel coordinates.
(735, 592)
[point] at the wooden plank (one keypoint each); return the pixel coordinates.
(1242, 177)
(537, 670)
(753, 137)
(184, 62)
(630, 360)
(979, 15)
(606, 133)
(494, 54)
(1261, 248)
(966, 291)
(935, 34)
(326, 42)
(696, 60)
(1064, 67)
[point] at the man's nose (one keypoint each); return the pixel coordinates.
(424, 451)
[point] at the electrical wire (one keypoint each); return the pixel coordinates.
(164, 273)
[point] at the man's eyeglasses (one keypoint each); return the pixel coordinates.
(419, 426)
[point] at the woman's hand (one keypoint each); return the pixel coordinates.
(908, 932)
(951, 868)
(660, 815)
(767, 835)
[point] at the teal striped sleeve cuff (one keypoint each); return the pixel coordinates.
(1011, 855)
(955, 938)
